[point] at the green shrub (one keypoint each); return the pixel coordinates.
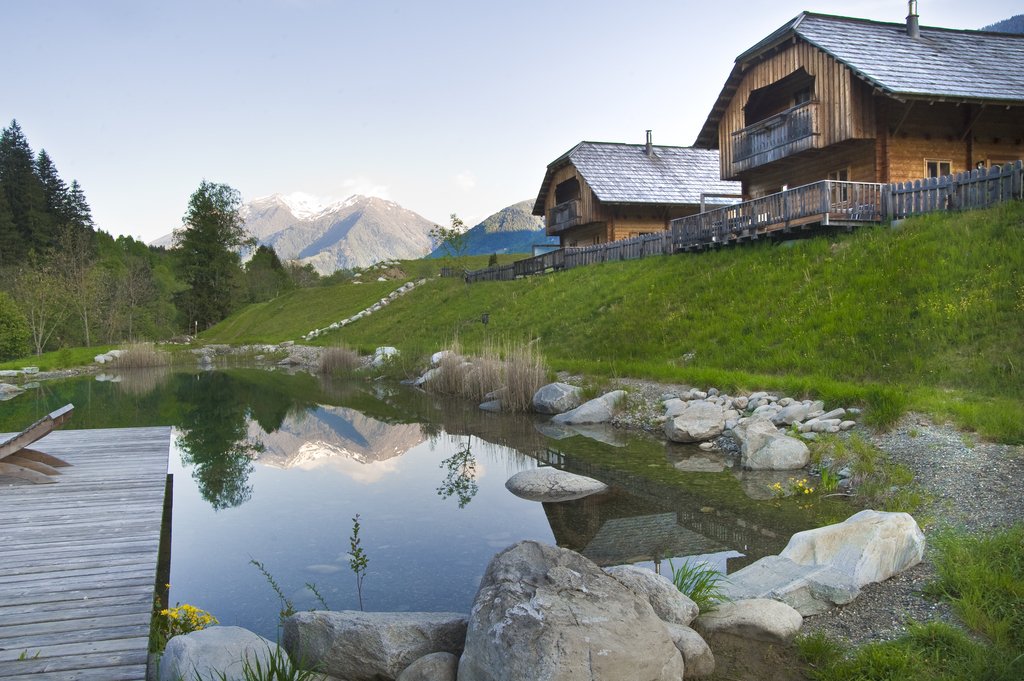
(698, 581)
(14, 331)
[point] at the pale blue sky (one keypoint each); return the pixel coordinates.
(445, 106)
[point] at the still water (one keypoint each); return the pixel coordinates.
(273, 467)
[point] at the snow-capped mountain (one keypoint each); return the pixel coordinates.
(355, 232)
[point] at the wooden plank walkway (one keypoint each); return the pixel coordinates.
(78, 559)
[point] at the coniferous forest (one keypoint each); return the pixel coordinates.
(64, 283)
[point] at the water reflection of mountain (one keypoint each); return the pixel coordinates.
(317, 436)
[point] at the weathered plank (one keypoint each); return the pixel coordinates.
(79, 560)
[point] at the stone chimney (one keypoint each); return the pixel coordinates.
(913, 27)
(650, 146)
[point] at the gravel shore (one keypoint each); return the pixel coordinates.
(969, 485)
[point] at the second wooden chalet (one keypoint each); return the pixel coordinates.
(599, 192)
(834, 98)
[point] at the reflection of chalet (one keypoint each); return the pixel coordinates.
(599, 192)
(834, 98)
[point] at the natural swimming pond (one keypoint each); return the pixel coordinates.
(272, 467)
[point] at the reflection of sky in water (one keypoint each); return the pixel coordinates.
(425, 553)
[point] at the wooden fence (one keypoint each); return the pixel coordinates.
(821, 203)
(644, 246)
(979, 188)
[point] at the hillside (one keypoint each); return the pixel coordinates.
(927, 315)
(511, 230)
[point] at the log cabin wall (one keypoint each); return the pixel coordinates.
(844, 111)
(587, 235)
(856, 157)
(963, 135)
(631, 221)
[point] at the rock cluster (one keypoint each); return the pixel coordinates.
(762, 425)
(547, 612)
(108, 356)
(380, 304)
(827, 566)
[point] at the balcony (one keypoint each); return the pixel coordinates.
(563, 216)
(784, 134)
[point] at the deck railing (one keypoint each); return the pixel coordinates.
(563, 216)
(827, 201)
(776, 137)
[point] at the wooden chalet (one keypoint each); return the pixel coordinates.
(851, 100)
(599, 192)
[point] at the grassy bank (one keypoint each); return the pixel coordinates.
(925, 316)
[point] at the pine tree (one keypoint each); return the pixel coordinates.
(10, 239)
(55, 190)
(208, 262)
(77, 208)
(26, 196)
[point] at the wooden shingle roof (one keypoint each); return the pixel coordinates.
(625, 174)
(940, 65)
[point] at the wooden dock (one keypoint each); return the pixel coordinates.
(78, 559)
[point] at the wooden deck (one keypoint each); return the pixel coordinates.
(78, 559)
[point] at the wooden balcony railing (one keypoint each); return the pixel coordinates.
(792, 131)
(563, 216)
(826, 202)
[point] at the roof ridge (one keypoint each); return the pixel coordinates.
(901, 25)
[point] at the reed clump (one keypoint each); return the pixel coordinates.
(511, 372)
(339, 361)
(141, 356)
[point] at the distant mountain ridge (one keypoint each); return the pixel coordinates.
(511, 230)
(1014, 24)
(356, 232)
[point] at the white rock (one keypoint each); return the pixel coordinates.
(210, 652)
(869, 546)
(759, 619)
(598, 410)
(699, 421)
(698, 660)
(763, 447)
(557, 398)
(551, 484)
(670, 604)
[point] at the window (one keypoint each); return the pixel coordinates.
(840, 193)
(933, 168)
(803, 95)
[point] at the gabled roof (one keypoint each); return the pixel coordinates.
(942, 64)
(624, 174)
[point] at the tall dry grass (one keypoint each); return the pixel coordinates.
(141, 356)
(339, 361)
(513, 371)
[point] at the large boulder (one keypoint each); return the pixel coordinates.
(670, 604)
(869, 546)
(763, 447)
(697, 656)
(367, 646)
(543, 612)
(552, 484)
(598, 410)
(432, 667)
(809, 589)
(758, 619)
(215, 651)
(556, 398)
(699, 421)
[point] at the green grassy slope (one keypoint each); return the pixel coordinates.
(930, 314)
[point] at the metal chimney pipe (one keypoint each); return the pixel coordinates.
(650, 146)
(913, 26)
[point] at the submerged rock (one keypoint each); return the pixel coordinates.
(551, 484)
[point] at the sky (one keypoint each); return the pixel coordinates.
(444, 107)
